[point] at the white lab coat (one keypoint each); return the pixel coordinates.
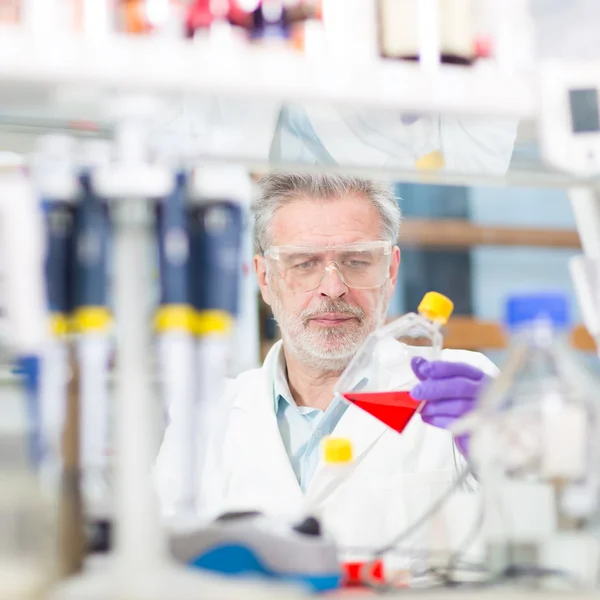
(324, 134)
(395, 478)
(331, 135)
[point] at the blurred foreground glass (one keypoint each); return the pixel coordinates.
(536, 449)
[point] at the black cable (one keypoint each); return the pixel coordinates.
(444, 574)
(467, 542)
(434, 508)
(408, 531)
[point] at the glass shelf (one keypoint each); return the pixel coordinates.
(270, 107)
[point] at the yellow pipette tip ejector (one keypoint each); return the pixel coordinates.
(436, 307)
(337, 450)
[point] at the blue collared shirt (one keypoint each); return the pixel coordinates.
(301, 427)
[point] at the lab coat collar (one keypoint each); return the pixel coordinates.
(262, 398)
(281, 387)
(360, 428)
(254, 404)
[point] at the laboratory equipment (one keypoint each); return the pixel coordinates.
(200, 17)
(215, 228)
(350, 31)
(151, 17)
(338, 464)
(570, 115)
(203, 16)
(139, 565)
(176, 341)
(70, 556)
(379, 377)
(94, 346)
(25, 300)
(250, 543)
(535, 449)
(269, 22)
(57, 185)
(246, 328)
(55, 182)
(409, 28)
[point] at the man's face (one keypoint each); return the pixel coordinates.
(324, 327)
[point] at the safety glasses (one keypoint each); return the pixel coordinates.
(363, 265)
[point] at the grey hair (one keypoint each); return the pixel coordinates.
(277, 189)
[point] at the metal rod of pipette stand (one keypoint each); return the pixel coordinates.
(139, 540)
(59, 399)
(55, 371)
(246, 337)
(71, 534)
(57, 187)
(176, 342)
(59, 387)
(141, 568)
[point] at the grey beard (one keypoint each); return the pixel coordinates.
(310, 347)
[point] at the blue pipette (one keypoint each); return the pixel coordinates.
(215, 224)
(93, 323)
(176, 342)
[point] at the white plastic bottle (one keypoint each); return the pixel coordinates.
(338, 465)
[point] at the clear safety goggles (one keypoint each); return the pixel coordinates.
(363, 265)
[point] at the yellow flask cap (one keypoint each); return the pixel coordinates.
(337, 450)
(436, 307)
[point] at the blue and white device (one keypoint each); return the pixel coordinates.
(251, 544)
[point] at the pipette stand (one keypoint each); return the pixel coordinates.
(140, 567)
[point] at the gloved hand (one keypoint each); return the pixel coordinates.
(450, 391)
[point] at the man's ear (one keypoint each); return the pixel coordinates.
(394, 267)
(260, 267)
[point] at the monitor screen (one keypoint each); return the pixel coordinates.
(584, 110)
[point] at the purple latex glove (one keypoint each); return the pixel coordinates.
(450, 391)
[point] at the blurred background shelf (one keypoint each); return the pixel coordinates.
(149, 64)
(453, 233)
(226, 100)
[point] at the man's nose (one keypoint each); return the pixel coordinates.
(332, 285)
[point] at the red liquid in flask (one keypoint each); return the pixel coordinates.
(395, 409)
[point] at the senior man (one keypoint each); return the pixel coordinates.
(312, 234)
